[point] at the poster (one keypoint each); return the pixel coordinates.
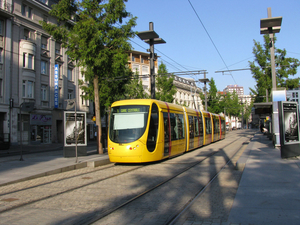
(72, 127)
(291, 127)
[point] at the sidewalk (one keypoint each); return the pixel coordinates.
(268, 192)
(44, 160)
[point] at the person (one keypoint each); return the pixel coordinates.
(262, 128)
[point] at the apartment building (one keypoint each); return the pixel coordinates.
(29, 57)
(187, 94)
(231, 88)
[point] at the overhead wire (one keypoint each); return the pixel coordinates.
(211, 39)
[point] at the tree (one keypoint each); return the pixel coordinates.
(95, 36)
(165, 88)
(134, 89)
(261, 69)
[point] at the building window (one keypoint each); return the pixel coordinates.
(296, 94)
(1, 27)
(44, 1)
(28, 89)
(26, 34)
(84, 101)
(70, 76)
(70, 94)
(30, 61)
(1, 55)
(29, 12)
(44, 95)
(23, 9)
(57, 48)
(44, 67)
(44, 43)
(1, 87)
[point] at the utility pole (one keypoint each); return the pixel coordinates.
(152, 38)
(204, 89)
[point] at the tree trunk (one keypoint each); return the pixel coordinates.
(98, 116)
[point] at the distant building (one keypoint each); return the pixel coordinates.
(231, 88)
(293, 95)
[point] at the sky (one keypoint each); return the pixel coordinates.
(223, 39)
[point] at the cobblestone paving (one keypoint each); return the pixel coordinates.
(77, 196)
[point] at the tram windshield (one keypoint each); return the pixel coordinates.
(128, 123)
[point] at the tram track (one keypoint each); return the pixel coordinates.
(100, 214)
(173, 219)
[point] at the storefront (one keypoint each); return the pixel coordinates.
(41, 128)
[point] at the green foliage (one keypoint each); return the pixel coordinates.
(232, 104)
(134, 89)
(261, 69)
(165, 88)
(97, 41)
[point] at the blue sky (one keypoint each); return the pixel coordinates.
(231, 24)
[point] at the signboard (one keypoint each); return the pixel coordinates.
(39, 119)
(73, 125)
(56, 76)
(279, 95)
(290, 122)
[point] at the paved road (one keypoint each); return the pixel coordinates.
(81, 195)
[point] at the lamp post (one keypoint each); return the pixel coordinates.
(205, 80)
(270, 26)
(152, 38)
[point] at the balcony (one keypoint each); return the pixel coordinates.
(5, 9)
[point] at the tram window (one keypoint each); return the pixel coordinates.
(216, 126)
(208, 125)
(201, 126)
(191, 126)
(128, 123)
(153, 129)
(223, 125)
(196, 126)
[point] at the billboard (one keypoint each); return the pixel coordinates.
(56, 76)
(290, 122)
(75, 124)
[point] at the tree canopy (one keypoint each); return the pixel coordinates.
(286, 67)
(165, 88)
(95, 34)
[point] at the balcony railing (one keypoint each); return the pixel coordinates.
(5, 6)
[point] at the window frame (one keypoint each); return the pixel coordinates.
(44, 93)
(28, 89)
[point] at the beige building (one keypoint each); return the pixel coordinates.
(28, 59)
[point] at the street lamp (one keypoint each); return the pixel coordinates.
(205, 80)
(270, 26)
(152, 38)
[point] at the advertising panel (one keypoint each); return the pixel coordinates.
(56, 76)
(75, 125)
(290, 122)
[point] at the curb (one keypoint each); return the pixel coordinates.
(92, 164)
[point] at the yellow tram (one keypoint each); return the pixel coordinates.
(146, 130)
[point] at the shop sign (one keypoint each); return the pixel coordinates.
(56, 75)
(38, 119)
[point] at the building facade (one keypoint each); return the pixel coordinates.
(231, 88)
(27, 76)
